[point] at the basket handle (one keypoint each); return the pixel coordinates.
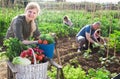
(34, 58)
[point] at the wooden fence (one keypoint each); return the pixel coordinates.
(88, 6)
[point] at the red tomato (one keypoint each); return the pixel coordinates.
(45, 42)
(40, 41)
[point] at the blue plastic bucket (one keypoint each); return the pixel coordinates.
(48, 49)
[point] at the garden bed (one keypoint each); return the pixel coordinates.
(67, 48)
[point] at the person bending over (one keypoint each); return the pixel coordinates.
(84, 36)
(67, 21)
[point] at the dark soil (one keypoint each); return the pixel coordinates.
(67, 50)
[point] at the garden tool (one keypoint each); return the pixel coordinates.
(57, 52)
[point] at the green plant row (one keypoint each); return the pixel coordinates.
(79, 73)
(51, 20)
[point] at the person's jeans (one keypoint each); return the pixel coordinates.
(83, 41)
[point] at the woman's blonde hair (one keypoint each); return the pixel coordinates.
(33, 5)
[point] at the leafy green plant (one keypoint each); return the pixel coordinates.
(114, 40)
(78, 73)
(48, 38)
(100, 73)
(69, 72)
(13, 48)
(87, 53)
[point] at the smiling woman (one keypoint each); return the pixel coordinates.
(24, 26)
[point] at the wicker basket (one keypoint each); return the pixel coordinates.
(33, 71)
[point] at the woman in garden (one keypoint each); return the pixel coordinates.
(24, 26)
(97, 35)
(84, 36)
(67, 21)
(98, 38)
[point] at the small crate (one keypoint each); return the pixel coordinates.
(32, 71)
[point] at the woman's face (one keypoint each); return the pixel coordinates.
(31, 14)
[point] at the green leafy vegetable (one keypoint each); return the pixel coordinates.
(21, 61)
(14, 48)
(47, 37)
